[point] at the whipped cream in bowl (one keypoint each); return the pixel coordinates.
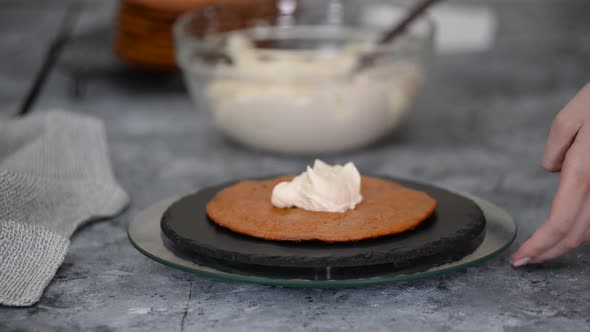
(293, 87)
(321, 188)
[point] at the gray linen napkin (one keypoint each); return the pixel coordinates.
(55, 174)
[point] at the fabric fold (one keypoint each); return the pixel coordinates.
(29, 257)
(55, 175)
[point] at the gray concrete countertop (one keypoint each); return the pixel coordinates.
(479, 126)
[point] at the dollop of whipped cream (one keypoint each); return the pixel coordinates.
(321, 188)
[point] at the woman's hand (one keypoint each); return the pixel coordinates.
(567, 151)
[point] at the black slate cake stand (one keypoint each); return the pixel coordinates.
(192, 243)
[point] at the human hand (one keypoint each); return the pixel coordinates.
(567, 151)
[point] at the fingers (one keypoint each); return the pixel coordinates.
(564, 129)
(577, 166)
(563, 214)
(568, 221)
(544, 238)
(562, 135)
(567, 147)
(563, 132)
(575, 237)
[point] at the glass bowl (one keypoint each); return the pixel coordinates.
(288, 79)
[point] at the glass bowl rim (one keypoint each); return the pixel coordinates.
(185, 41)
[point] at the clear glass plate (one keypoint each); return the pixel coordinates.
(145, 235)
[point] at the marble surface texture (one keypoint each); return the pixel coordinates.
(479, 126)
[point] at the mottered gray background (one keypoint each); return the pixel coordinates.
(479, 126)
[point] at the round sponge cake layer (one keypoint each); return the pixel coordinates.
(387, 208)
